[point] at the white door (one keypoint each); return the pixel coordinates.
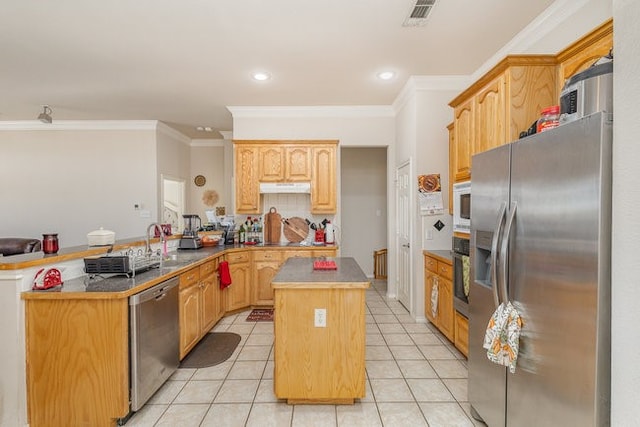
(403, 232)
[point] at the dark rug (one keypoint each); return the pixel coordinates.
(260, 315)
(213, 349)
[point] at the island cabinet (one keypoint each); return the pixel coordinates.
(239, 292)
(319, 332)
(77, 353)
(438, 283)
(200, 304)
(500, 105)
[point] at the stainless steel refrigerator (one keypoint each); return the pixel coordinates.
(540, 238)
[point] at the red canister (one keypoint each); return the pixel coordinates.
(50, 243)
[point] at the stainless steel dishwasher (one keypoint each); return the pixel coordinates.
(154, 339)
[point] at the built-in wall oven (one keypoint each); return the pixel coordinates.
(461, 275)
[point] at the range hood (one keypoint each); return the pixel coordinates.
(285, 187)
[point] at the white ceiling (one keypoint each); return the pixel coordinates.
(184, 61)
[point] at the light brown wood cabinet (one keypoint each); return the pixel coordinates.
(438, 273)
(500, 105)
(286, 161)
(239, 292)
(462, 334)
(323, 184)
(246, 179)
(584, 52)
(200, 304)
(266, 264)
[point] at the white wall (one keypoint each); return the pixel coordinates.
(626, 205)
(73, 181)
(207, 159)
(421, 133)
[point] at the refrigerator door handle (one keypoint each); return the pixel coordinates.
(494, 254)
(503, 251)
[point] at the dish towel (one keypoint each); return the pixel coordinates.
(434, 298)
(465, 274)
(502, 337)
(224, 274)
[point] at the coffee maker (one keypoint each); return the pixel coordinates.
(190, 238)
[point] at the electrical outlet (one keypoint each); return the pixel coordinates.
(320, 320)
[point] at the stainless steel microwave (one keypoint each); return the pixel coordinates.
(462, 207)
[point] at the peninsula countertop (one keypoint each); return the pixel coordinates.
(299, 273)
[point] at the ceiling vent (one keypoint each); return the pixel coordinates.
(419, 13)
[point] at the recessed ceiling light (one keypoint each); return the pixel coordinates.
(386, 75)
(204, 129)
(261, 76)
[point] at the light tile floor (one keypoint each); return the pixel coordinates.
(415, 377)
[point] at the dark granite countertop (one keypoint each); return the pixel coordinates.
(299, 273)
(120, 286)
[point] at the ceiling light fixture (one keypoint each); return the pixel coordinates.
(386, 75)
(45, 116)
(261, 76)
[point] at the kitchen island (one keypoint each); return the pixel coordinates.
(319, 327)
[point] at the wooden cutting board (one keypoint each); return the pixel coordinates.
(295, 229)
(272, 226)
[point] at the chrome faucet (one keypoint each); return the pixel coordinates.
(163, 238)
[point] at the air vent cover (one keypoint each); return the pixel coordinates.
(419, 13)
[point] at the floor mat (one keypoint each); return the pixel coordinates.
(213, 349)
(260, 315)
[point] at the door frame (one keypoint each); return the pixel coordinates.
(409, 162)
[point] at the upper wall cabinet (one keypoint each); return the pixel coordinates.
(501, 104)
(584, 52)
(286, 161)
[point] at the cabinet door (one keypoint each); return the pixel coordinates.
(298, 164)
(272, 163)
(265, 272)
(490, 114)
(463, 136)
(219, 294)
(207, 304)
(247, 182)
(445, 308)
(462, 334)
(189, 310)
(452, 173)
(323, 184)
(238, 294)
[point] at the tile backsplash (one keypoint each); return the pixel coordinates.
(289, 205)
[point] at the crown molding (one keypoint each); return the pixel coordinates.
(316, 111)
(428, 83)
(79, 125)
(227, 135)
(207, 143)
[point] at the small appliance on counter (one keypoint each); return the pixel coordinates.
(190, 238)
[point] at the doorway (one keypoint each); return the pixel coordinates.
(173, 195)
(363, 203)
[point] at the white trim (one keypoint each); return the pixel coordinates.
(207, 142)
(80, 125)
(428, 83)
(318, 111)
(227, 135)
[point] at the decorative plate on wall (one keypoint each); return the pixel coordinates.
(200, 180)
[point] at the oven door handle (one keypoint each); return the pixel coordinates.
(494, 253)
